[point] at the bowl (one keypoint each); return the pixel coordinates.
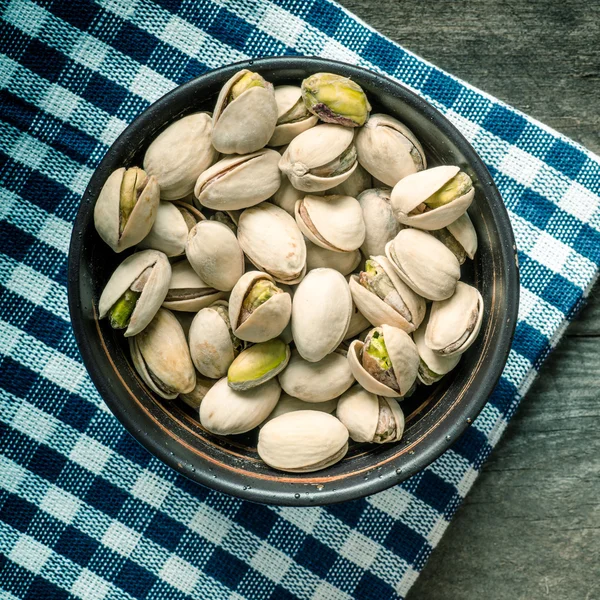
(435, 416)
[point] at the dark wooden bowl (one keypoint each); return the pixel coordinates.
(435, 416)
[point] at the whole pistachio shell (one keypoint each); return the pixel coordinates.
(432, 366)
(359, 181)
(388, 149)
(318, 257)
(245, 114)
(126, 208)
(161, 357)
(302, 441)
(179, 154)
(258, 364)
(380, 224)
(424, 263)
(225, 411)
(464, 233)
(285, 197)
(195, 397)
(289, 404)
(292, 115)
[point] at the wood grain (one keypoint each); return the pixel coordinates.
(530, 527)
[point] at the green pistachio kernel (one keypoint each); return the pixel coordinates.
(378, 351)
(244, 83)
(458, 186)
(120, 313)
(259, 293)
(257, 364)
(134, 182)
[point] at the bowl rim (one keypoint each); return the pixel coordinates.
(441, 437)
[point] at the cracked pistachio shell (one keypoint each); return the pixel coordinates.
(359, 181)
(404, 359)
(257, 364)
(107, 212)
(266, 321)
(302, 441)
(316, 382)
(179, 154)
(215, 254)
(378, 312)
(271, 240)
(318, 257)
(380, 224)
(464, 233)
(332, 222)
(414, 190)
(240, 181)
(287, 195)
(171, 227)
(361, 412)
(289, 404)
(321, 312)
(247, 123)
(311, 151)
(455, 323)
(154, 291)
(292, 115)
(388, 149)
(424, 263)
(211, 344)
(187, 292)
(195, 397)
(358, 323)
(432, 366)
(225, 411)
(161, 357)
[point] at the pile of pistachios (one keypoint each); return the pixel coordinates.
(296, 267)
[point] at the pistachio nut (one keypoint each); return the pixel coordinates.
(225, 411)
(455, 323)
(336, 99)
(320, 158)
(424, 263)
(239, 181)
(179, 154)
(259, 310)
(215, 254)
(316, 382)
(332, 222)
(126, 208)
(135, 291)
(432, 199)
(187, 292)
(289, 404)
(432, 366)
(370, 418)
(245, 114)
(383, 298)
(318, 257)
(386, 363)
(358, 323)
(292, 115)
(170, 230)
(359, 181)
(285, 197)
(271, 240)
(213, 346)
(388, 149)
(302, 441)
(380, 224)
(161, 357)
(321, 312)
(257, 364)
(195, 397)
(463, 232)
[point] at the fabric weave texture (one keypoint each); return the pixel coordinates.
(85, 512)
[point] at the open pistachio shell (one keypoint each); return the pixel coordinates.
(319, 381)
(271, 240)
(292, 115)
(455, 323)
(258, 364)
(161, 357)
(388, 149)
(195, 397)
(432, 199)
(302, 441)
(245, 123)
(239, 181)
(424, 263)
(321, 312)
(148, 271)
(258, 309)
(432, 366)
(187, 292)
(320, 158)
(464, 233)
(179, 154)
(215, 254)
(359, 181)
(225, 411)
(285, 197)
(380, 224)
(289, 404)
(332, 222)
(318, 257)
(397, 356)
(403, 309)
(126, 208)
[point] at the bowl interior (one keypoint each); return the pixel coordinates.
(435, 415)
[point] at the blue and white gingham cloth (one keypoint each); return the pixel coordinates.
(84, 510)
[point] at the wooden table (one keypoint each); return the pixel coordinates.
(530, 527)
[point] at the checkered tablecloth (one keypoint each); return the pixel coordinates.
(86, 512)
